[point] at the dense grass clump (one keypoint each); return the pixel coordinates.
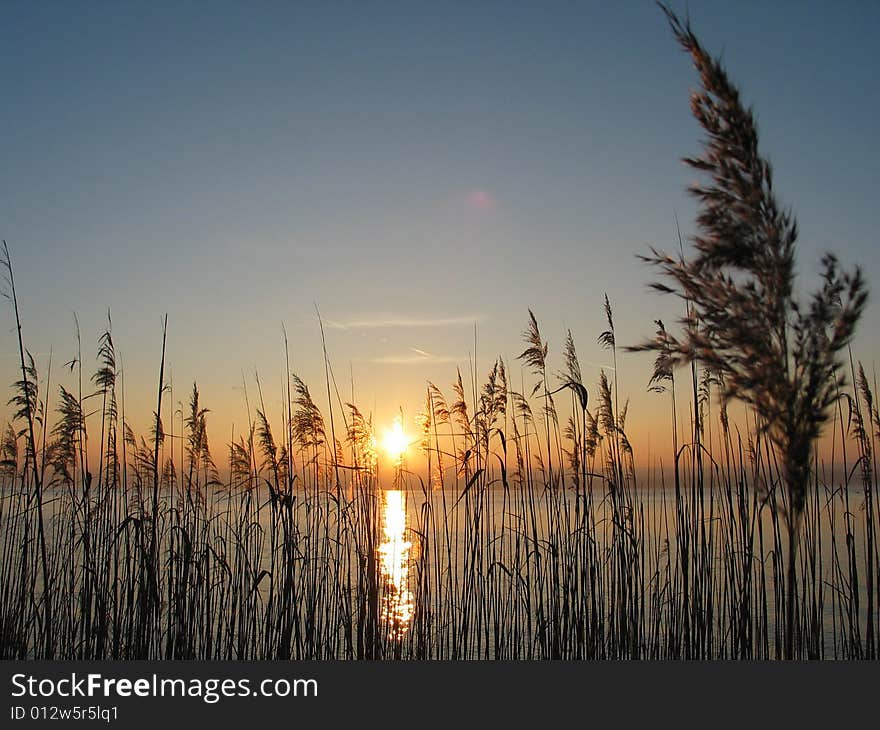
(524, 538)
(744, 320)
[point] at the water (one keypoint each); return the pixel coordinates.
(735, 547)
(487, 573)
(394, 562)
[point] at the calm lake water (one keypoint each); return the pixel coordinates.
(496, 572)
(834, 537)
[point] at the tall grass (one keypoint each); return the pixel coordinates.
(533, 535)
(744, 319)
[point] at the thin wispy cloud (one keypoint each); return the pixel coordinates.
(414, 357)
(600, 365)
(403, 322)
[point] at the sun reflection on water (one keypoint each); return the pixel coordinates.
(394, 554)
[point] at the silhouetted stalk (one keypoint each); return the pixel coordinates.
(152, 605)
(742, 274)
(31, 451)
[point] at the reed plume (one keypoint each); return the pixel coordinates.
(745, 321)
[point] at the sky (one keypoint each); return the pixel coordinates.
(420, 173)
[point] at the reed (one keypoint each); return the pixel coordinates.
(744, 320)
(268, 557)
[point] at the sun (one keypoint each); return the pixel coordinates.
(395, 441)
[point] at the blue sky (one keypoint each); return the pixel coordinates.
(414, 169)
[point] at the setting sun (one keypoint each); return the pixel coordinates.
(395, 441)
